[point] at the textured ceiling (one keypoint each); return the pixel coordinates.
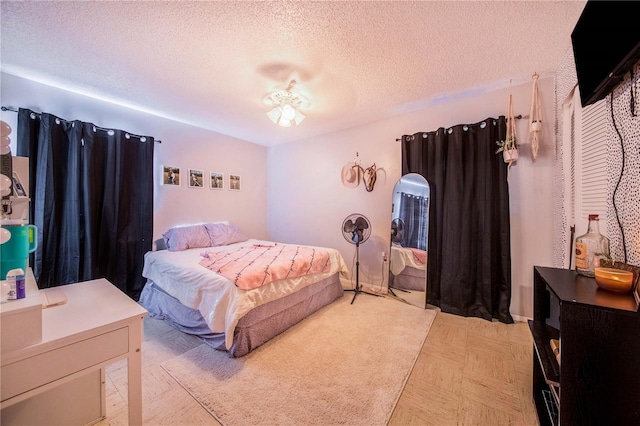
(211, 64)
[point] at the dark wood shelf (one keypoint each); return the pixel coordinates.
(599, 379)
(569, 286)
(542, 335)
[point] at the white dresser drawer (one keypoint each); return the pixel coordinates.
(38, 370)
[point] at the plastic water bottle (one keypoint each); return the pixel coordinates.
(15, 278)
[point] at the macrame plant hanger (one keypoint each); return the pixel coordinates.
(510, 152)
(535, 118)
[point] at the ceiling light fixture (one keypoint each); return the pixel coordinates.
(285, 106)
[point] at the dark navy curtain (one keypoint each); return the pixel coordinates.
(413, 209)
(469, 263)
(92, 196)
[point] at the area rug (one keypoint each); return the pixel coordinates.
(345, 364)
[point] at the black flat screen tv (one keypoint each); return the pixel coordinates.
(606, 45)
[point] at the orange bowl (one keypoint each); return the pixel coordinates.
(614, 279)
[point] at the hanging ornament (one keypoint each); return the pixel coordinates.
(535, 118)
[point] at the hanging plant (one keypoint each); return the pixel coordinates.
(509, 149)
(509, 146)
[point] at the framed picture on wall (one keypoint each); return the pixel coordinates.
(234, 182)
(171, 175)
(196, 178)
(216, 180)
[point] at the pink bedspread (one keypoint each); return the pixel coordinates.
(253, 266)
(419, 255)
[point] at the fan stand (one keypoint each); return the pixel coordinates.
(390, 289)
(399, 289)
(358, 288)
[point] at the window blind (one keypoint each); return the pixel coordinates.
(585, 162)
(593, 161)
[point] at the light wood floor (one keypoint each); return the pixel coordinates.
(469, 372)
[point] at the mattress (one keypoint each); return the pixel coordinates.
(410, 279)
(220, 303)
(254, 329)
(402, 257)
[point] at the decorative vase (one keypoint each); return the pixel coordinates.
(510, 155)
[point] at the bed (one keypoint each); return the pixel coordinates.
(186, 287)
(408, 268)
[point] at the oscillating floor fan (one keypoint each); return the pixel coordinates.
(397, 230)
(397, 235)
(356, 229)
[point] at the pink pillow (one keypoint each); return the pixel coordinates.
(186, 237)
(203, 235)
(222, 234)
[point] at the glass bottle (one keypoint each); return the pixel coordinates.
(591, 248)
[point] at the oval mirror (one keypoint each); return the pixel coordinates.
(409, 236)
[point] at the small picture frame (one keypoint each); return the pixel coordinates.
(216, 180)
(171, 175)
(196, 178)
(234, 182)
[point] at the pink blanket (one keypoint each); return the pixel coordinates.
(253, 266)
(419, 255)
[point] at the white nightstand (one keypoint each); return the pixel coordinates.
(63, 374)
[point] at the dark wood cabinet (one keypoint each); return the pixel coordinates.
(597, 381)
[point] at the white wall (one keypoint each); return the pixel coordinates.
(628, 195)
(299, 184)
(307, 202)
(626, 180)
(182, 145)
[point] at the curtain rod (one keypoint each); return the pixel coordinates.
(4, 108)
(517, 117)
(408, 193)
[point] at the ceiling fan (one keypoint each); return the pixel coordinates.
(286, 104)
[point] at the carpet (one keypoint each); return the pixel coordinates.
(345, 364)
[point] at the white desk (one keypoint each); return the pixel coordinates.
(97, 326)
